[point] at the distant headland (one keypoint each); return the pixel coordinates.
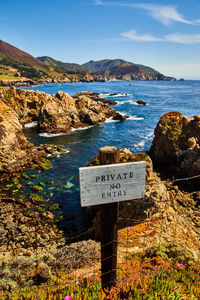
(18, 68)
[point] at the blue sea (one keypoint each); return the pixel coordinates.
(136, 133)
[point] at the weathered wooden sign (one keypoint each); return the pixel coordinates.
(112, 183)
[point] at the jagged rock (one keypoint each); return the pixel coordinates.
(176, 144)
(56, 113)
(13, 143)
(53, 114)
(62, 112)
(140, 102)
(25, 103)
(119, 117)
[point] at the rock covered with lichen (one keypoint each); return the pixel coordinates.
(176, 145)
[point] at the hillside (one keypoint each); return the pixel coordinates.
(119, 68)
(103, 65)
(7, 50)
(69, 67)
(20, 68)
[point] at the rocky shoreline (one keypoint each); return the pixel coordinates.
(29, 227)
(86, 78)
(58, 113)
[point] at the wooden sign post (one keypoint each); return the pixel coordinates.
(109, 214)
(106, 185)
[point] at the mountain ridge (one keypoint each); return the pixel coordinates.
(19, 67)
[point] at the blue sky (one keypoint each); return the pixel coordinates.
(162, 34)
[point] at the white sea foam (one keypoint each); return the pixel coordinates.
(126, 101)
(81, 128)
(114, 95)
(150, 134)
(49, 135)
(31, 125)
(110, 120)
(58, 153)
(145, 140)
(141, 143)
(129, 101)
(135, 118)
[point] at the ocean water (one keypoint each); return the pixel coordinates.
(136, 133)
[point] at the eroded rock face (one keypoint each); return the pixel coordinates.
(13, 143)
(57, 113)
(26, 104)
(61, 112)
(176, 144)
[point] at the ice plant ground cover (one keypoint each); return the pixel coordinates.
(145, 279)
(141, 275)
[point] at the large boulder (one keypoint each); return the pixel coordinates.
(176, 144)
(61, 112)
(57, 114)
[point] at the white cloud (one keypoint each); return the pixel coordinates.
(183, 38)
(132, 35)
(162, 13)
(174, 37)
(98, 2)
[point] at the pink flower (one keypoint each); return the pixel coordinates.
(179, 265)
(68, 298)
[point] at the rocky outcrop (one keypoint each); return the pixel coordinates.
(61, 112)
(26, 104)
(13, 144)
(140, 102)
(52, 113)
(176, 144)
(16, 152)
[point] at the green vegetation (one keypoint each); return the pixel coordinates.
(25, 69)
(148, 279)
(60, 66)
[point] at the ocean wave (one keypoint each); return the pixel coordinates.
(110, 120)
(126, 101)
(129, 101)
(135, 118)
(114, 95)
(81, 128)
(145, 140)
(49, 135)
(30, 125)
(58, 154)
